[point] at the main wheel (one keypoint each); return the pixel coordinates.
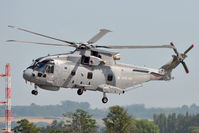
(80, 91)
(104, 99)
(34, 92)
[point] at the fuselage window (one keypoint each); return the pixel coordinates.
(73, 73)
(85, 60)
(110, 77)
(94, 53)
(89, 75)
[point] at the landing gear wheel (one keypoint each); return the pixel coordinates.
(80, 91)
(34, 92)
(104, 99)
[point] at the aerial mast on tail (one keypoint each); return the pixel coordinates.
(7, 75)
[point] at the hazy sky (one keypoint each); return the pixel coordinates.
(152, 22)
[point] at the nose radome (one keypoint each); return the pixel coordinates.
(27, 74)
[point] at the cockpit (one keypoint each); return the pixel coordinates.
(45, 66)
(41, 73)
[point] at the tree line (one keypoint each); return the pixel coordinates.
(137, 110)
(180, 123)
(116, 121)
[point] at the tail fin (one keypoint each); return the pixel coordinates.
(177, 59)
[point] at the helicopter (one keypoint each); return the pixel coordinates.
(92, 68)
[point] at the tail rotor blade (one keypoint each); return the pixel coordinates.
(185, 52)
(185, 67)
(174, 48)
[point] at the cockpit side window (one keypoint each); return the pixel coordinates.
(44, 67)
(50, 68)
(40, 67)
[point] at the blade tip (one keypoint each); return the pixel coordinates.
(105, 30)
(11, 26)
(9, 40)
(192, 45)
(171, 43)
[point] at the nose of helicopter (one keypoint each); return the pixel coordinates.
(27, 74)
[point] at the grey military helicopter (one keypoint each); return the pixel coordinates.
(89, 67)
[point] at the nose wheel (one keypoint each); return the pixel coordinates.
(34, 92)
(104, 99)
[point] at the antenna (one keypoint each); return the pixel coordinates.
(7, 76)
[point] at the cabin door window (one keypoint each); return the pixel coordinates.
(85, 60)
(110, 77)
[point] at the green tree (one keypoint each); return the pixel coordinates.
(144, 126)
(161, 121)
(193, 130)
(81, 122)
(118, 120)
(171, 123)
(24, 126)
(177, 124)
(56, 131)
(55, 127)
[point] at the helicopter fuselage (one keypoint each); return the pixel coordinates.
(87, 72)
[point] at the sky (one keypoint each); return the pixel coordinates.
(132, 22)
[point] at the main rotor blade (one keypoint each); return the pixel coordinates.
(51, 44)
(135, 46)
(185, 52)
(98, 36)
(14, 27)
(185, 67)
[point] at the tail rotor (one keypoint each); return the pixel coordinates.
(179, 58)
